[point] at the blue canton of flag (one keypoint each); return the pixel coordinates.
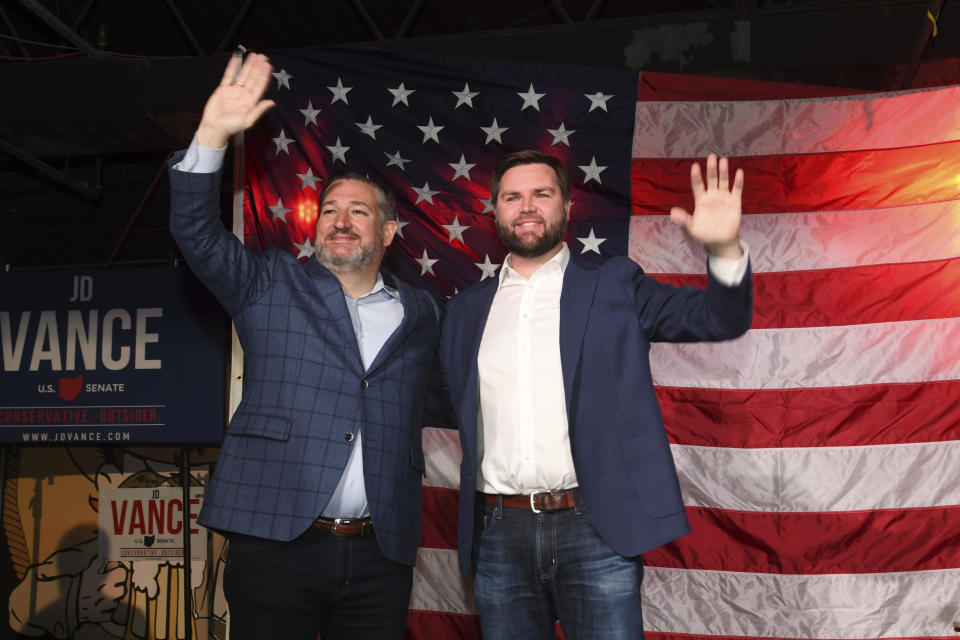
(431, 129)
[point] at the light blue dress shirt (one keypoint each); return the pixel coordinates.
(375, 316)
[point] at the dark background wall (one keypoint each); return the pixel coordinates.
(96, 93)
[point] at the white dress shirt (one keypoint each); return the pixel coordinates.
(523, 428)
(524, 440)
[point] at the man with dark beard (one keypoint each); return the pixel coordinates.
(317, 486)
(567, 475)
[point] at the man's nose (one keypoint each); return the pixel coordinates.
(341, 220)
(526, 204)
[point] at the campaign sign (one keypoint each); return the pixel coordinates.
(147, 524)
(111, 356)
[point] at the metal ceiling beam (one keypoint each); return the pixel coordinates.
(82, 15)
(367, 20)
(594, 10)
(54, 174)
(408, 21)
(923, 39)
(60, 27)
(184, 28)
(13, 31)
(226, 42)
(563, 12)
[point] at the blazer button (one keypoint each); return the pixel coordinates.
(348, 437)
(364, 383)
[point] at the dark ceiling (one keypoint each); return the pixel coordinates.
(96, 93)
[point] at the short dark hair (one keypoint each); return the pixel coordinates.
(385, 202)
(529, 156)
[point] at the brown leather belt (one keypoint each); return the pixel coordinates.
(536, 502)
(345, 526)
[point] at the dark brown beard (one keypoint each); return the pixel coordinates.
(552, 235)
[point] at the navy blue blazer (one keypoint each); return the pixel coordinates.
(305, 390)
(609, 315)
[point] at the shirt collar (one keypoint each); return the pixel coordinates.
(558, 262)
(380, 289)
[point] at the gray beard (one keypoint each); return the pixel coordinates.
(358, 259)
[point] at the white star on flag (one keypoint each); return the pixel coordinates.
(531, 98)
(339, 151)
(461, 168)
(309, 114)
(424, 193)
(396, 159)
(307, 249)
(465, 97)
(493, 132)
(308, 180)
(340, 92)
(279, 211)
(591, 242)
(430, 131)
(561, 135)
(283, 79)
(592, 171)
(400, 95)
(486, 204)
(487, 268)
(400, 225)
(456, 229)
(598, 100)
(368, 127)
(282, 142)
(426, 264)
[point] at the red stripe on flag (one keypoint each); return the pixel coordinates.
(814, 182)
(839, 417)
(434, 625)
(807, 543)
(439, 518)
(659, 87)
(857, 295)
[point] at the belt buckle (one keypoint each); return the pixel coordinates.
(335, 525)
(532, 507)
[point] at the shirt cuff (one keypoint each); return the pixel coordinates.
(200, 159)
(730, 272)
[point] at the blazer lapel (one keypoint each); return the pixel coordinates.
(331, 293)
(475, 321)
(413, 309)
(576, 299)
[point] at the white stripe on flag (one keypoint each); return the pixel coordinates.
(802, 241)
(808, 479)
(875, 605)
(442, 449)
(882, 353)
(783, 127)
(785, 480)
(438, 584)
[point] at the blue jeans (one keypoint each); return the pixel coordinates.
(531, 569)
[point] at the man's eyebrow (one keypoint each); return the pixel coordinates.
(536, 190)
(350, 202)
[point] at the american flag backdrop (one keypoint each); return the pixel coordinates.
(818, 454)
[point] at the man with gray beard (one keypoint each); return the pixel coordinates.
(317, 486)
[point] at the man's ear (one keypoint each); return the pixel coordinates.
(388, 230)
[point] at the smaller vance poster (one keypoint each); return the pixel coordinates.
(148, 524)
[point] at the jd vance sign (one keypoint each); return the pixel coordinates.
(110, 356)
